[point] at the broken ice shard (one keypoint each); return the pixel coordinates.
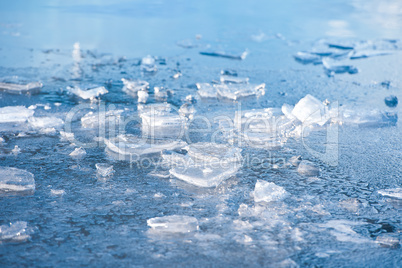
(131, 148)
(133, 86)
(307, 58)
(173, 224)
(308, 168)
(310, 110)
(391, 101)
(15, 114)
(207, 164)
(360, 54)
(393, 193)
(78, 153)
(88, 92)
(148, 64)
(98, 119)
(14, 180)
(374, 118)
(332, 67)
(104, 170)
(17, 86)
(15, 232)
(388, 241)
(206, 90)
(224, 54)
(268, 192)
(237, 91)
(229, 79)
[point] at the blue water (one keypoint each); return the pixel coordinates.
(103, 223)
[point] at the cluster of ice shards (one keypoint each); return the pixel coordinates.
(205, 164)
(87, 92)
(175, 224)
(330, 53)
(14, 180)
(131, 148)
(15, 232)
(268, 192)
(162, 121)
(233, 91)
(99, 119)
(18, 85)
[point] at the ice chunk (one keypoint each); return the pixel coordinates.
(148, 64)
(45, 122)
(173, 224)
(236, 91)
(359, 54)
(308, 168)
(142, 96)
(93, 120)
(57, 192)
(307, 58)
(16, 150)
(14, 114)
(342, 230)
(229, 79)
(295, 160)
(133, 87)
(129, 147)
(268, 192)
(206, 164)
(78, 153)
(205, 90)
(391, 101)
(393, 193)
(224, 54)
(88, 92)
(374, 118)
(332, 67)
(104, 170)
(32, 88)
(15, 232)
(310, 110)
(13, 180)
(388, 241)
(66, 136)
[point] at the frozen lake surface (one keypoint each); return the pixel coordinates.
(201, 134)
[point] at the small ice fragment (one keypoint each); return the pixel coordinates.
(332, 67)
(1, 140)
(78, 153)
(104, 170)
(45, 122)
(15, 232)
(16, 150)
(159, 195)
(177, 75)
(295, 160)
(393, 193)
(360, 54)
(142, 96)
(307, 58)
(374, 118)
(223, 54)
(388, 241)
(351, 204)
(341, 45)
(16, 180)
(307, 168)
(233, 79)
(173, 224)
(32, 107)
(57, 192)
(268, 192)
(148, 64)
(134, 86)
(94, 120)
(236, 91)
(47, 107)
(14, 114)
(129, 147)
(88, 92)
(205, 90)
(259, 37)
(187, 110)
(391, 101)
(66, 136)
(160, 93)
(229, 72)
(310, 110)
(32, 88)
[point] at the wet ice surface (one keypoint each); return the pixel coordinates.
(81, 214)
